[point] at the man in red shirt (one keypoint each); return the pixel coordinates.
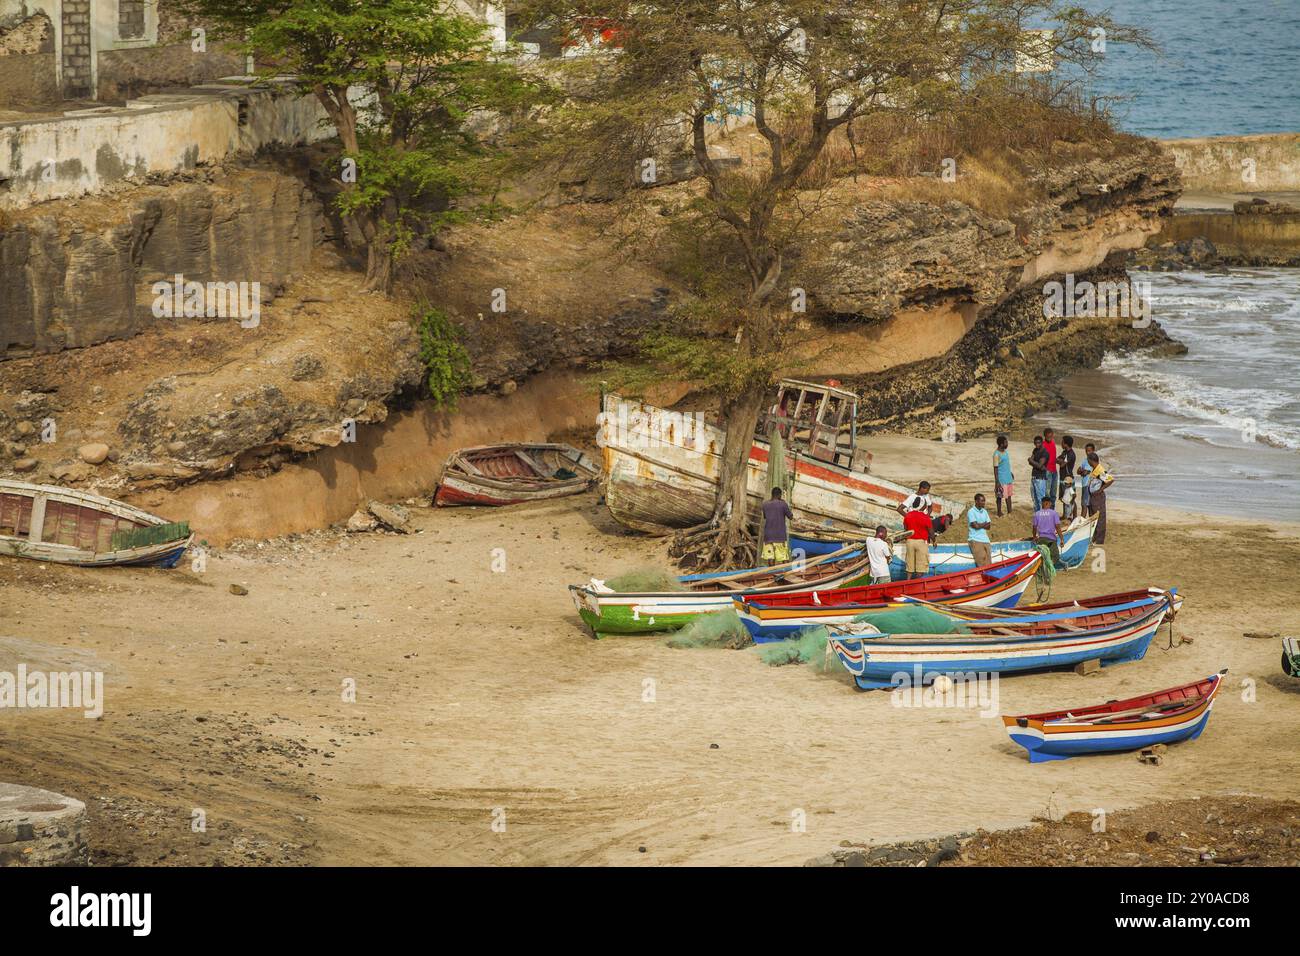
(918, 545)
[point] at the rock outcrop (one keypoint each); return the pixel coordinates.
(79, 273)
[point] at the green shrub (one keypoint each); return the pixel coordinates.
(446, 363)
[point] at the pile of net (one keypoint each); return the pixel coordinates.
(912, 620)
(807, 647)
(649, 578)
(721, 629)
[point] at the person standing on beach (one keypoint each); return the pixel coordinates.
(1045, 529)
(1065, 469)
(920, 501)
(880, 552)
(1088, 449)
(977, 538)
(1003, 479)
(1099, 479)
(918, 545)
(776, 544)
(1049, 445)
(1041, 463)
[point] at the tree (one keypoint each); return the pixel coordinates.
(414, 90)
(803, 73)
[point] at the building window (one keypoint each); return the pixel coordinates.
(130, 19)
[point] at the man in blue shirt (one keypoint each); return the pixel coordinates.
(977, 539)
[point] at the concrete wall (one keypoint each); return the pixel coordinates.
(1217, 164)
(84, 153)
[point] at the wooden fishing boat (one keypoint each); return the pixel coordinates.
(661, 467)
(607, 611)
(48, 523)
(511, 473)
(781, 616)
(954, 556)
(1165, 717)
(967, 612)
(1111, 635)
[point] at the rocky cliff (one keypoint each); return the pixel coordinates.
(933, 310)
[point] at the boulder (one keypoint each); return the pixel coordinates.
(362, 521)
(26, 464)
(393, 517)
(93, 453)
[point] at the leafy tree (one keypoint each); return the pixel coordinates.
(420, 102)
(805, 74)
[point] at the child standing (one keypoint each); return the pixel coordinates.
(1003, 479)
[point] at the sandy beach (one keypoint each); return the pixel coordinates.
(488, 727)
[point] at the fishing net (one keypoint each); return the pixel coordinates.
(912, 620)
(151, 534)
(807, 647)
(648, 578)
(721, 629)
(1046, 573)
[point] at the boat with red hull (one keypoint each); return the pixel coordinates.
(780, 616)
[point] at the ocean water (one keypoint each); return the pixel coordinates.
(1225, 67)
(1216, 430)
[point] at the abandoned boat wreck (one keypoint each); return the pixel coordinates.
(661, 467)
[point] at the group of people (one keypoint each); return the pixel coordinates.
(1054, 478)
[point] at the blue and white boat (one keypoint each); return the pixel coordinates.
(1111, 635)
(1164, 717)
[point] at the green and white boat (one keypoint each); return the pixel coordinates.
(607, 611)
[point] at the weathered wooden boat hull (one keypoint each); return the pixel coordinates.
(510, 474)
(881, 661)
(768, 621)
(1065, 734)
(661, 472)
(955, 556)
(64, 526)
(614, 612)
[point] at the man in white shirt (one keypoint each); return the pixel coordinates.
(880, 552)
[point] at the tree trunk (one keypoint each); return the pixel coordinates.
(731, 508)
(379, 267)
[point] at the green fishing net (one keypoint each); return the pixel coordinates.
(648, 578)
(807, 647)
(912, 620)
(719, 629)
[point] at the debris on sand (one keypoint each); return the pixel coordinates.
(393, 517)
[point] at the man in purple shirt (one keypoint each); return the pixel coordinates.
(776, 546)
(1046, 527)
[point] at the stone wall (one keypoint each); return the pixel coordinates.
(66, 283)
(1216, 164)
(78, 75)
(90, 152)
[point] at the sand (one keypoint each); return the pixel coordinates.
(490, 728)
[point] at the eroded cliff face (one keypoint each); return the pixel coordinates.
(79, 273)
(932, 311)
